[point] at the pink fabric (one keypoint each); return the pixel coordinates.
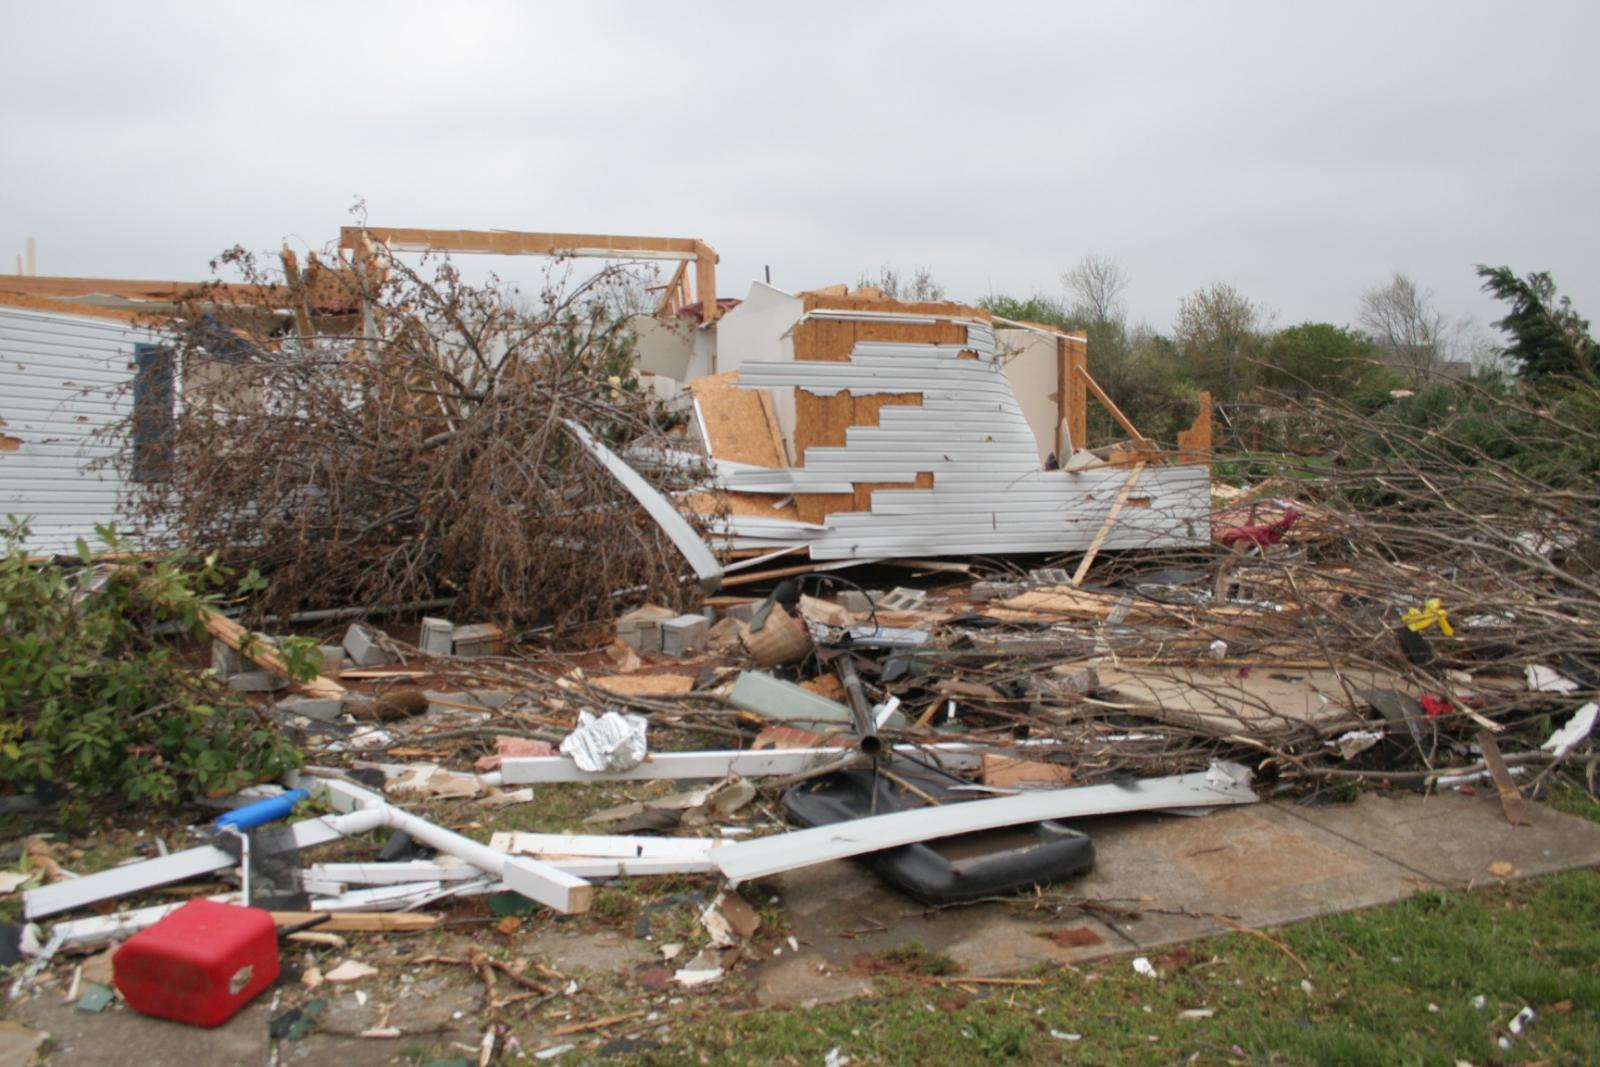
(512, 746)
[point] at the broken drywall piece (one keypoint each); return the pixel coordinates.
(609, 742)
(702, 970)
(1354, 742)
(1576, 730)
(350, 971)
(428, 781)
(729, 919)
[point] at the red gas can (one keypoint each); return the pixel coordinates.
(200, 964)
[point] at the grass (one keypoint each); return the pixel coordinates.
(1394, 985)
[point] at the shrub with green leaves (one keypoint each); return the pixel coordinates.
(93, 706)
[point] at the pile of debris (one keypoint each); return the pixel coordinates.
(920, 715)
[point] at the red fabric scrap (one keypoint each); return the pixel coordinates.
(1262, 534)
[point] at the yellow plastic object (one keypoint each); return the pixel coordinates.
(1431, 612)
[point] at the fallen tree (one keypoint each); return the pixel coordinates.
(427, 453)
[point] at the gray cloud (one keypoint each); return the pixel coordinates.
(1299, 152)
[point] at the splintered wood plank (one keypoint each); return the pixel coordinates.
(1107, 526)
(646, 685)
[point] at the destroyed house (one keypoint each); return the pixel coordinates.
(839, 425)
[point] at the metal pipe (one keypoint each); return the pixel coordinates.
(866, 728)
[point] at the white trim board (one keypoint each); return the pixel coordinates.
(1224, 784)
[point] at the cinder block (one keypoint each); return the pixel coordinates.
(322, 709)
(479, 639)
(684, 635)
(741, 612)
(225, 659)
(332, 657)
(438, 637)
(902, 598)
(257, 682)
(854, 601)
(362, 645)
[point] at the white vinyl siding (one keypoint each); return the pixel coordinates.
(64, 381)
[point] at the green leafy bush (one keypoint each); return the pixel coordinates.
(94, 707)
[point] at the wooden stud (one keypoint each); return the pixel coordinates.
(1105, 527)
(297, 291)
(262, 654)
(1126, 423)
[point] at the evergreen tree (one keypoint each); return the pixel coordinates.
(1548, 338)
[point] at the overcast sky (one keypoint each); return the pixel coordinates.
(1300, 152)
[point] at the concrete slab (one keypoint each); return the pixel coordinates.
(1453, 839)
(840, 910)
(117, 1035)
(1258, 865)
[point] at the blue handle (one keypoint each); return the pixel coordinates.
(261, 812)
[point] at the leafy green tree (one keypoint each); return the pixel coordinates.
(1548, 338)
(1219, 333)
(1320, 357)
(1038, 308)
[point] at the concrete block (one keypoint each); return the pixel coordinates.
(257, 682)
(740, 612)
(640, 629)
(684, 635)
(322, 709)
(438, 637)
(493, 698)
(361, 643)
(902, 598)
(1050, 576)
(225, 659)
(479, 639)
(854, 601)
(332, 657)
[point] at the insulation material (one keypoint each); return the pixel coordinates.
(609, 742)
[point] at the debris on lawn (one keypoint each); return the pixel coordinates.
(955, 727)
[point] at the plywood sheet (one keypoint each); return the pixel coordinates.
(737, 422)
(1261, 703)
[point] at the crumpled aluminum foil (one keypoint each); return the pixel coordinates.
(609, 742)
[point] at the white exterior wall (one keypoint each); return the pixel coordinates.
(989, 492)
(62, 378)
(757, 331)
(1030, 363)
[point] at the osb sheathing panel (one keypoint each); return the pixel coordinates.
(823, 420)
(739, 422)
(756, 504)
(830, 301)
